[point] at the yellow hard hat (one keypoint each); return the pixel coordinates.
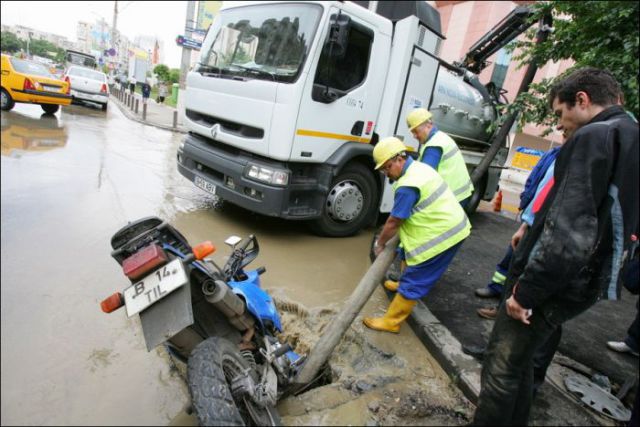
(417, 117)
(386, 149)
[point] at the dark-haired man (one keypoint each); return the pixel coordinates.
(586, 223)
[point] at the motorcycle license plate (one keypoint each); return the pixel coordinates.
(205, 185)
(154, 287)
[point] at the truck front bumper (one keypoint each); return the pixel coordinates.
(224, 167)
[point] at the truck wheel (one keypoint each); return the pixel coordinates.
(7, 101)
(477, 195)
(50, 108)
(350, 203)
(212, 367)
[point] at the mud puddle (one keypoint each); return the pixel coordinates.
(377, 378)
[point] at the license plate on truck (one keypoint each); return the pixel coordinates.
(154, 287)
(205, 185)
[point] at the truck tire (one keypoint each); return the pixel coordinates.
(350, 203)
(212, 366)
(477, 195)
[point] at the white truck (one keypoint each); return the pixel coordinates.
(288, 99)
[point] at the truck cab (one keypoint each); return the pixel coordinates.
(287, 101)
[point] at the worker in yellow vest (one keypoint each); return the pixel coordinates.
(439, 150)
(431, 224)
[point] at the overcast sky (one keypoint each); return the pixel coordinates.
(163, 19)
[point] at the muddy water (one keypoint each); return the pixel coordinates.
(68, 183)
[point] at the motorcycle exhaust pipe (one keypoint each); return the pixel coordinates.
(231, 305)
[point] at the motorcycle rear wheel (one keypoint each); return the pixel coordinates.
(213, 365)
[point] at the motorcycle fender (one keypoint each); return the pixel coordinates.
(167, 317)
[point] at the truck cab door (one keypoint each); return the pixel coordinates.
(342, 95)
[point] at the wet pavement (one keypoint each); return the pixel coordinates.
(68, 183)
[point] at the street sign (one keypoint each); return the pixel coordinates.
(188, 43)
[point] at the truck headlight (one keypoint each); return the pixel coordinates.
(266, 174)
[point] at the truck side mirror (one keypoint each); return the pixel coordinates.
(338, 40)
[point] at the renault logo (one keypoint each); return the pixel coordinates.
(214, 130)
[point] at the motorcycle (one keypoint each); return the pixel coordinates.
(216, 319)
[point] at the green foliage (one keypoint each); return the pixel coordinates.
(162, 71)
(602, 34)
(174, 75)
(45, 49)
(10, 42)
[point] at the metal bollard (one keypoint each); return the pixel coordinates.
(136, 109)
(175, 118)
(144, 111)
(128, 100)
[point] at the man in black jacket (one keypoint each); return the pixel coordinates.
(586, 225)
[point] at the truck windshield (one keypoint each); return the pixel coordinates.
(268, 42)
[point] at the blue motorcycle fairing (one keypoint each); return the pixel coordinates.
(259, 303)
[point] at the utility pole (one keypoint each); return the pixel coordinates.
(114, 35)
(186, 52)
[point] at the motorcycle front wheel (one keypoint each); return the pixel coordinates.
(213, 365)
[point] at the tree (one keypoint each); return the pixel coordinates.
(10, 42)
(45, 49)
(602, 34)
(162, 71)
(174, 75)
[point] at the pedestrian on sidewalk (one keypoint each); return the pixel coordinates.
(586, 217)
(162, 92)
(431, 223)
(539, 176)
(132, 85)
(146, 91)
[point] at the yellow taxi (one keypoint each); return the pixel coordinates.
(32, 83)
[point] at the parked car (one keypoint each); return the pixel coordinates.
(32, 83)
(88, 85)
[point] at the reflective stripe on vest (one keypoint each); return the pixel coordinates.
(433, 226)
(452, 166)
(441, 238)
(432, 198)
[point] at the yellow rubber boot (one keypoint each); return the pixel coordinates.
(391, 285)
(399, 309)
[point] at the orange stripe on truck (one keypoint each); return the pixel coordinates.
(305, 132)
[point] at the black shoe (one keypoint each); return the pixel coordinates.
(474, 351)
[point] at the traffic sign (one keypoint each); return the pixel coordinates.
(188, 43)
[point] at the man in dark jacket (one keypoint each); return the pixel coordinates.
(586, 224)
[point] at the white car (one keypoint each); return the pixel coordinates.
(88, 85)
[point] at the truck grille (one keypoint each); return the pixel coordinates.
(226, 125)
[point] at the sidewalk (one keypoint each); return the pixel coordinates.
(447, 319)
(158, 115)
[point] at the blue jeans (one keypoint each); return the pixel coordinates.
(507, 380)
(502, 267)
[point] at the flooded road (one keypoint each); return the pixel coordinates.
(68, 183)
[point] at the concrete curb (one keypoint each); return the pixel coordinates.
(132, 116)
(447, 350)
